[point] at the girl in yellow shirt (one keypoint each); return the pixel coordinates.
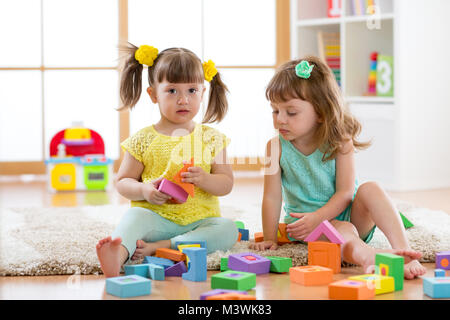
(176, 83)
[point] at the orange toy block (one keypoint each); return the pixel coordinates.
(259, 237)
(188, 187)
(231, 296)
(170, 254)
(350, 290)
(311, 275)
(239, 236)
(325, 254)
(282, 235)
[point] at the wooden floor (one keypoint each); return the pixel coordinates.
(13, 191)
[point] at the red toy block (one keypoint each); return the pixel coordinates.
(170, 254)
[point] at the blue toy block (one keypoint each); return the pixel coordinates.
(128, 286)
(437, 287)
(244, 233)
(159, 261)
(202, 243)
(197, 264)
(137, 269)
(156, 271)
(439, 273)
(176, 270)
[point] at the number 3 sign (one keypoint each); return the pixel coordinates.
(385, 76)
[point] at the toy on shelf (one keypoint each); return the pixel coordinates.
(372, 83)
(334, 8)
(78, 162)
(329, 45)
(385, 76)
(325, 254)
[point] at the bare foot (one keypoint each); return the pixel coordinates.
(412, 266)
(109, 256)
(143, 249)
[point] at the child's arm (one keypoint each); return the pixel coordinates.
(129, 186)
(345, 187)
(272, 198)
(219, 182)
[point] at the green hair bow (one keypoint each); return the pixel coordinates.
(303, 69)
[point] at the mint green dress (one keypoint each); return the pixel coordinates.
(308, 183)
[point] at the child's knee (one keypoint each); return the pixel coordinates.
(345, 228)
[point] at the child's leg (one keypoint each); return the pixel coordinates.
(219, 233)
(372, 206)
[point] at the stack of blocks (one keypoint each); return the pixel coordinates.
(243, 233)
(167, 262)
(372, 87)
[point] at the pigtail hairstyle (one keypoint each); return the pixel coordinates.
(217, 102)
(130, 77)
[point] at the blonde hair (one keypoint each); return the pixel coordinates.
(175, 65)
(322, 91)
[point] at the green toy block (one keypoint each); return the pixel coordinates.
(406, 223)
(279, 264)
(239, 224)
(234, 280)
(224, 264)
(391, 265)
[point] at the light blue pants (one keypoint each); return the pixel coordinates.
(143, 224)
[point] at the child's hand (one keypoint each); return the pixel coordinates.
(264, 245)
(195, 175)
(305, 224)
(151, 194)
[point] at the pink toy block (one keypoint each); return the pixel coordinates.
(328, 230)
(173, 190)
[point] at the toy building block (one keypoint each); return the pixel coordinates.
(239, 237)
(216, 292)
(239, 225)
(325, 254)
(259, 237)
(137, 269)
(248, 262)
(437, 287)
(170, 254)
(202, 243)
(187, 187)
(244, 233)
(327, 229)
(311, 275)
(282, 237)
(391, 265)
(197, 266)
(406, 223)
(439, 273)
(172, 189)
(443, 260)
(159, 261)
(180, 248)
(235, 280)
(224, 264)
(231, 296)
(279, 264)
(382, 284)
(156, 272)
(176, 270)
(128, 286)
(350, 290)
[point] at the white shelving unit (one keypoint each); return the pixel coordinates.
(410, 131)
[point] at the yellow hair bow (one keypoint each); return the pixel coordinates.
(146, 55)
(209, 68)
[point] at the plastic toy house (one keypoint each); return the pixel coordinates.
(78, 162)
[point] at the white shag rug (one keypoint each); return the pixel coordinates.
(50, 241)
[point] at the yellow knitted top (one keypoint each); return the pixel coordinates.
(163, 156)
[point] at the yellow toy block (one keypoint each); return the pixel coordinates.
(180, 248)
(382, 284)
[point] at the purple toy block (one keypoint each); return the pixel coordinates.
(328, 230)
(214, 292)
(176, 270)
(249, 262)
(443, 260)
(173, 190)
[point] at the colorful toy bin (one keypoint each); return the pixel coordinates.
(78, 162)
